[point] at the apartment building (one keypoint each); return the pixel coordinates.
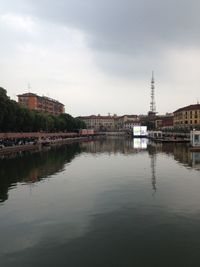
(187, 116)
(164, 121)
(41, 103)
(110, 122)
(99, 122)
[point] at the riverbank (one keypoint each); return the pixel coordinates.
(40, 145)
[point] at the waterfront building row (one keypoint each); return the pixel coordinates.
(125, 122)
(187, 116)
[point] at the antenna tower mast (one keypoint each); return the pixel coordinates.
(153, 102)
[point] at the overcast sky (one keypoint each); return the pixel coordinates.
(96, 56)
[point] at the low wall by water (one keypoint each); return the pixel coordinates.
(38, 146)
(35, 135)
(113, 133)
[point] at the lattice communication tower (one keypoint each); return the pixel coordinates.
(153, 102)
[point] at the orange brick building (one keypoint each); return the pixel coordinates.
(41, 103)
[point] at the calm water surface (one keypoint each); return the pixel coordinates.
(107, 203)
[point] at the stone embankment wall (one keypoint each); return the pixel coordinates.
(35, 135)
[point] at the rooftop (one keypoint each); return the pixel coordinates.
(190, 107)
(107, 117)
(97, 117)
(43, 97)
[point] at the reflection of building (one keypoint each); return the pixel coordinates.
(195, 158)
(180, 153)
(185, 156)
(187, 116)
(34, 167)
(140, 143)
(110, 122)
(41, 103)
(111, 145)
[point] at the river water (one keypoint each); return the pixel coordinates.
(113, 202)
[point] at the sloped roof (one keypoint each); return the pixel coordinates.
(40, 97)
(96, 117)
(190, 107)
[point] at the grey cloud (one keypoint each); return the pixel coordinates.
(126, 26)
(125, 38)
(116, 29)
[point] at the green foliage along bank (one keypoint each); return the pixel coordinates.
(14, 118)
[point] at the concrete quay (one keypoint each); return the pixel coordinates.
(48, 140)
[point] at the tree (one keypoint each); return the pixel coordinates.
(14, 118)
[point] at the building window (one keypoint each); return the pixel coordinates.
(196, 138)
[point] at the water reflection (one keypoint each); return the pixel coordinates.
(99, 210)
(181, 153)
(152, 151)
(153, 173)
(32, 167)
(114, 145)
(110, 145)
(140, 143)
(195, 159)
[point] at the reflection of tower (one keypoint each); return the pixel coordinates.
(153, 172)
(152, 111)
